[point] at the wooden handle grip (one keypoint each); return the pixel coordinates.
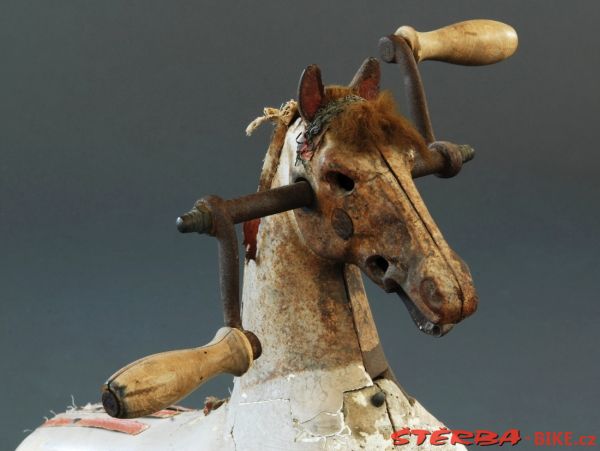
(160, 380)
(471, 43)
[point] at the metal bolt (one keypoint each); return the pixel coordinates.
(387, 50)
(199, 219)
(467, 152)
(378, 399)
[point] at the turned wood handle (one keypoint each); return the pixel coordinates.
(160, 380)
(471, 43)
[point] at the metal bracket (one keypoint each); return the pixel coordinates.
(217, 217)
(395, 49)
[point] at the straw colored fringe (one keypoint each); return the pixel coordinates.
(282, 118)
(284, 114)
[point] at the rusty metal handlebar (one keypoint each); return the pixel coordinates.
(245, 208)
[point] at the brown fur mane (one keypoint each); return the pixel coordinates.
(373, 121)
(361, 124)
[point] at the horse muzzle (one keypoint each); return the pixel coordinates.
(415, 260)
(437, 294)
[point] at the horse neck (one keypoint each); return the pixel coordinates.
(311, 315)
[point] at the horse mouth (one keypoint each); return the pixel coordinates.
(434, 310)
(425, 311)
(424, 324)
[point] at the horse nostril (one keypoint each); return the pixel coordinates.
(394, 277)
(430, 293)
(435, 330)
(377, 265)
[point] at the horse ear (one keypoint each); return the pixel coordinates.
(311, 92)
(366, 81)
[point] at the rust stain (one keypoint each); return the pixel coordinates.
(307, 296)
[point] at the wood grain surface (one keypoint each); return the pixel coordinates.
(471, 43)
(160, 380)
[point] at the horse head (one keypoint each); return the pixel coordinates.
(357, 153)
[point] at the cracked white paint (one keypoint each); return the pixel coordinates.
(324, 424)
(414, 416)
(310, 392)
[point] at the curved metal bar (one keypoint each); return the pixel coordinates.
(217, 217)
(229, 277)
(394, 49)
(445, 160)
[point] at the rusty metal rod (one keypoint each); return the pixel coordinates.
(229, 283)
(394, 49)
(252, 206)
(265, 203)
(445, 160)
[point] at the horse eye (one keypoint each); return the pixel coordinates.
(340, 181)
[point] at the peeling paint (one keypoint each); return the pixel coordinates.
(324, 424)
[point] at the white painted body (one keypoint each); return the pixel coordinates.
(254, 426)
(307, 391)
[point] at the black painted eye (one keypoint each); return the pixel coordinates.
(340, 181)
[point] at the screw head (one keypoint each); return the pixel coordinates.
(110, 403)
(378, 399)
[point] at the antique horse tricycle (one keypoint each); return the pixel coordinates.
(336, 197)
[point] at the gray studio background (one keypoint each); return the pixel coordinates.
(116, 116)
